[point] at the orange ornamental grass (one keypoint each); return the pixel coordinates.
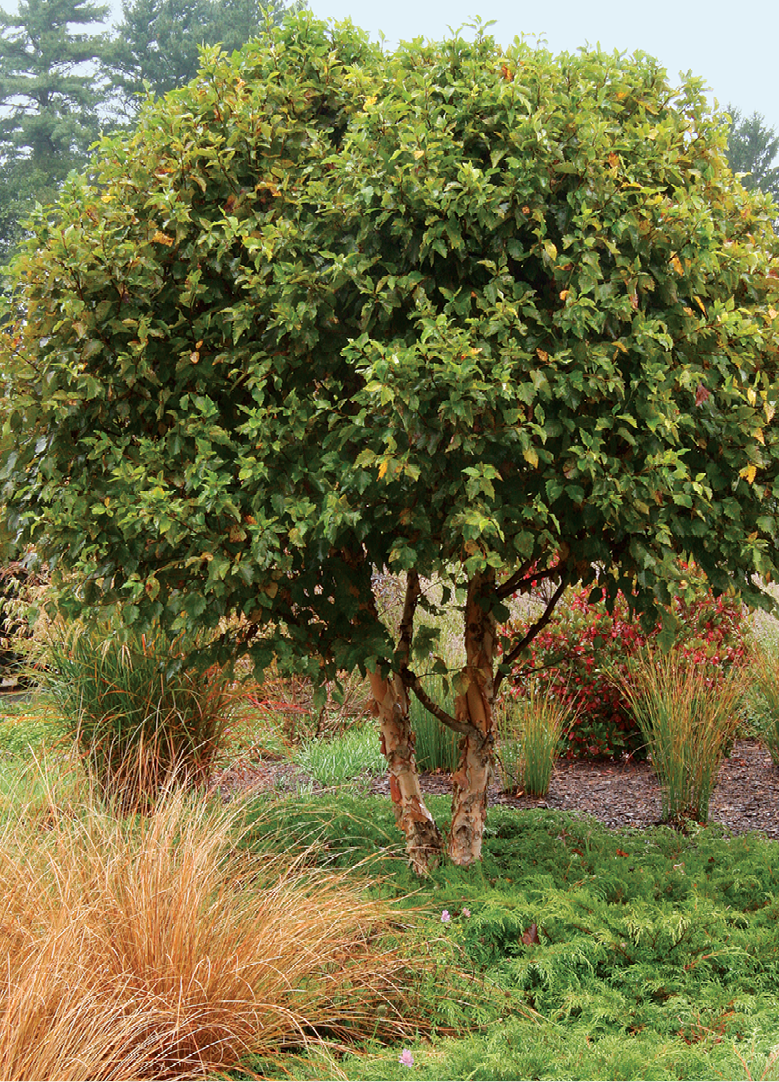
(153, 948)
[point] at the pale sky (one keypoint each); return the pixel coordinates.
(734, 47)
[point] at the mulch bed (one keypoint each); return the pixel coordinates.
(620, 794)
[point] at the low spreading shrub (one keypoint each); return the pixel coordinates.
(584, 643)
(597, 953)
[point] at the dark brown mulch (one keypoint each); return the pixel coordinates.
(628, 795)
(620, 794)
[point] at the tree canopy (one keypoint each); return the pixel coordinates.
(64, 79)
(494, 315)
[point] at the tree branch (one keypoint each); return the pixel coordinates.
(512, 583)
(406, 629)
(531, 632)
(522, 578)
(411, 680)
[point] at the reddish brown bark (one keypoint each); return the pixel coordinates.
(424, 843)
(473, 706)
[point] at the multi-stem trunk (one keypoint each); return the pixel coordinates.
(471, 780)
(424, 844)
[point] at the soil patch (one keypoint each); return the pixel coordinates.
(619, 794)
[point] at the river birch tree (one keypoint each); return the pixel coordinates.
(489, 316)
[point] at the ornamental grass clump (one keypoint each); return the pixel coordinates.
(436, 747)
(137, 713)
(763, 704)
(687, 724)
(160, 948)
(530, 730)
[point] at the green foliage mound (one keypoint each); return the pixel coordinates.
(452, 309)
(637, 954)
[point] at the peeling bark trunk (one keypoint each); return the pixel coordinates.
(424, 844)
(471, 780)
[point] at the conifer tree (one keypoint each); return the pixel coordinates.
(752, 149)
(158, 41)
(50, 94)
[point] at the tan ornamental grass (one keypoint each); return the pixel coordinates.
(687, 725)
(155, 949)
(530, 729)
(763, 675)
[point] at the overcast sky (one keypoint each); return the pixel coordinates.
(734, 47)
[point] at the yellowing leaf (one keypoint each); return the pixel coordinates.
(162, 238)
(383, 468)
(564, 294)
(751, 396)
(620, 347)
(194, 356)
(699, 302)
(770, 410)
(531, 457)
(613, 161)
(758, 434)
(676, 263)
(371, 100)
(419, 154)
(748, 472)
(773, 313)
(542, 355)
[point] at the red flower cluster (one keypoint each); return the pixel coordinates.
(574, 655)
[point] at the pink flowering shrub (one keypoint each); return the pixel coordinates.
(583, 643)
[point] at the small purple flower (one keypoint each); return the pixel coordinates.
(406, 1058)
(466, 911)
(446, 916)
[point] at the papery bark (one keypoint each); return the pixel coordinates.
(424, 843)
(471, 780)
